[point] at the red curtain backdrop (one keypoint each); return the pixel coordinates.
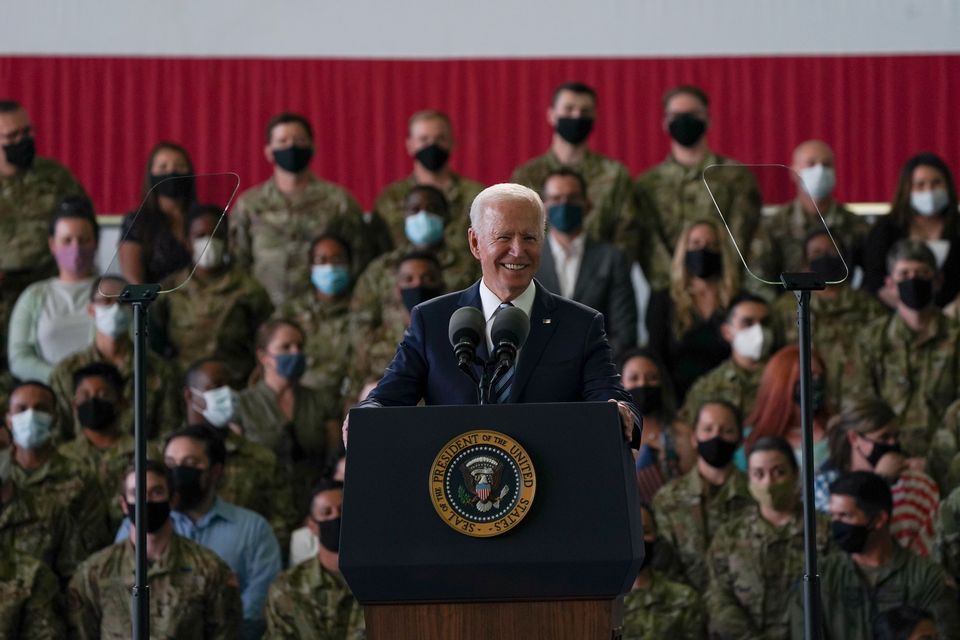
(100, 116)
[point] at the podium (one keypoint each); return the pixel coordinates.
(413, 558)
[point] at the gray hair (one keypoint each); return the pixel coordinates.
(490, 196)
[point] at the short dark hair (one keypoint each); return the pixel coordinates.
(151, 466)
(32, 383)
(431, 190)
(573, 87)
(74, 208)
(95, 287)
(777, 444)
(870, 492)
(198, 210)
(9, 106)
(729, 406)
(287, 117)
(212, 441)
(740, 298)
(688, 89)
(899, 623)
(565, 172)
(426, 256)
(816, 233)
(325, 483)
(913, 250)
(329, 235)
(194, 369)
(103, 370)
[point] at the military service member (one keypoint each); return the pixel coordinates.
(571, 115)
(911, 358)
(54, 481)
(948, 534)
(657, 607)
(193, 593)
(112, 345)
(756, 559)
(429, 143)
(672, 193)
(274, 222)
(691, 509)
(31, 605)
(873, 574)
(30, 188)
(748, 330)
(311, 600)
(218, 309)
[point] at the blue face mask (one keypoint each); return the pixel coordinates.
(290, 366)
(424, 228)
(565, 217)
(330, 279)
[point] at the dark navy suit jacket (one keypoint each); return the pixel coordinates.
(566, 357)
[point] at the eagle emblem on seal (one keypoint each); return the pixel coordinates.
(482, 477)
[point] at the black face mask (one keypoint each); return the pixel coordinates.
(717, 452)
(433, 157)
(916, 293)
(157, 514)
(648, 548)
(574, 130)
(188, 485)
(817, 394)
(415, 295)
(703, 263)
(828, 267)
(173, 185)
(687, 129)
(880, 449)
(21, 154)
(96, 414)
(852, 538)
(648, 399)
(330, 534)
(293, 159)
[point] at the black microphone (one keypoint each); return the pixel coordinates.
(465, 331)
(511, 326)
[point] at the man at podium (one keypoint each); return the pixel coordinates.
(565, 358)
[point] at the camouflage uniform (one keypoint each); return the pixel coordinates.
(271, 232)
(460, 194)
(27, 202)
(689, 512)
(918, 375)
(328, 348)
(106, 465)
(754, 567)
(670, 195)
(60, 484)
(375, 347)
(31, 606)
(665, 609)
(308, 601)
(193, 594)
(943, 461)
(49, 537)
(613, 216)
(851, 604)
(218, 317)
(729, 382)
(164, 388)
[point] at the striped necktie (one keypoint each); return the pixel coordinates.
(501, 391)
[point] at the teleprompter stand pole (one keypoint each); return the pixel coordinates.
(802, 284)
(139, 296)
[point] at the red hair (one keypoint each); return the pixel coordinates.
(775, 412)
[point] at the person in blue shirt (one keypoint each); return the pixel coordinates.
(242, 538)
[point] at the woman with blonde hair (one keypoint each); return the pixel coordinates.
(684, 320)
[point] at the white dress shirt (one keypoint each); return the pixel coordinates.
(567, 262)
(491, 303)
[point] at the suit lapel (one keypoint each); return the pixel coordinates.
(588, 265)
(540, 334)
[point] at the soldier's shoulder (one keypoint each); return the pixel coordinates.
(200, 559)
(676, 593)
(254, 194)
(609, 165)
(393, 193)
(526, 170)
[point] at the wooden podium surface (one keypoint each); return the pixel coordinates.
(556, 620)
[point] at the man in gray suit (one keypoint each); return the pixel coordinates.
(596, 274)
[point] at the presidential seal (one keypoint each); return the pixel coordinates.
(482, 483)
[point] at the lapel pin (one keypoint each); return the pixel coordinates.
(547, 321)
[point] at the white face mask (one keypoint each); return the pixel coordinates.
(112, 320)
(818, 180)
(208, 252)
(221, 405)
(928, 203)
(31, 428)
(750, 342)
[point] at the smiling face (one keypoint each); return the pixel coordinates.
(508, 246)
